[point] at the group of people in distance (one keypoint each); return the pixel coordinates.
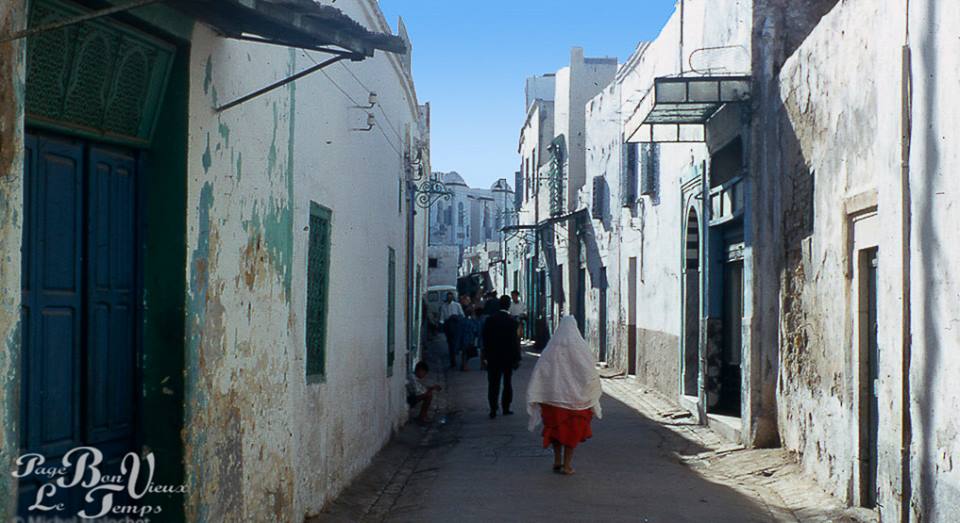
(564, 390)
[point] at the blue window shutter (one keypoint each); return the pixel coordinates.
(318, 283)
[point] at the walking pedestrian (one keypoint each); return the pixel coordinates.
(468, 337)
(450, 315)
(518, 310)
(501, 352)
(491, 304)
(564, 393)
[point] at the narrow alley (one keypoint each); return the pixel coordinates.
(235, 233)
(647, 462)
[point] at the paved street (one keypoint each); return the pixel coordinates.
(466, 467)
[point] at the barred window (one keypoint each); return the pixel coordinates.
(318, 278)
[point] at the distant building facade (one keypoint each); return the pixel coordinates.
(470, 216)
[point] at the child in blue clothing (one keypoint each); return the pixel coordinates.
(469, 338)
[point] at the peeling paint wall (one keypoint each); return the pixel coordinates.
(831, 148)
(839, 149)
(12, 87)
(261, 443)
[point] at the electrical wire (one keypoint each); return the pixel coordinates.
(355, 102)
(382, 111)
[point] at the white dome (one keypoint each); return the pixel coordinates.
(453, 178)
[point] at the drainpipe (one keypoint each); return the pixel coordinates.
(704, 305)
(682, 14)
(906, 134)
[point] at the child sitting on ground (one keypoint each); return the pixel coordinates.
(419, 392)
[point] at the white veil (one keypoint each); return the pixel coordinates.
(565, 375)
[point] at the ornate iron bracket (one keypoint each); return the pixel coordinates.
(430, 192)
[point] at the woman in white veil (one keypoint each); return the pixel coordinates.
(564, 393)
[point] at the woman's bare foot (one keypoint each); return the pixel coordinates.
(568, 471)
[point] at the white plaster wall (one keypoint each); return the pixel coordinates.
(540, 88)
(448, 259)
(262, 443)
(654, 235)
(842, 97)
(935, 291)
(846, 132)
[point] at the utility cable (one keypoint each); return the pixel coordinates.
(356, 103)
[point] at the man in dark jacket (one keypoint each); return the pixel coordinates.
(501, 352)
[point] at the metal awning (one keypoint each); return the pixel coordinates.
(676, 108)
(303, 24)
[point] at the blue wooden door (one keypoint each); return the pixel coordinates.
(111, 355)
(80, 356)
(52, 302)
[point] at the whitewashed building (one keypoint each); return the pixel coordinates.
(543, 247)
(771, 203)
(470, 216)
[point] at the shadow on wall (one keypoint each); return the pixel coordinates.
(932, 263)
(799, 22)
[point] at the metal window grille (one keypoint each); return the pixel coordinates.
(96, 79)
(318, 283)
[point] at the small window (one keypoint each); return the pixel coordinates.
(432, 263)
(628, 183)
(318, 283)
(391, 308)
(650, 169)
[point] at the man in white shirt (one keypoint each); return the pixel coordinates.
(450, 308)
(450, 315)
(518, 310)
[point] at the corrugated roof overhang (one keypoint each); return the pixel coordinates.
(677, 108)
(303, 24)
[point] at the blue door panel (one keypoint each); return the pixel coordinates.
(61, 192)
(53, 385)
(111, 347)
(80, 356)
(52, 258)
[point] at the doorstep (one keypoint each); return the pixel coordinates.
(728, 427)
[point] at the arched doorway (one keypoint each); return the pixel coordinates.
(691, 305)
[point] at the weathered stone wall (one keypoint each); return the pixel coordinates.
(12, 85)
(262, 443)
(835, 109)
(830, 149)
(658, 366)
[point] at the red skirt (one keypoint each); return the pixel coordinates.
(564, 426)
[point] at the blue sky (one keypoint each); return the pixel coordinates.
(470, 60)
